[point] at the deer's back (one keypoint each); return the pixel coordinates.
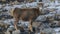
(26, 13)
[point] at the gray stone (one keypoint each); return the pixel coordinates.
(50, 15)
(36, 24)
(58, 12)
(41, 18)
(7, 32)
(48, 31)
(57, 17)
(45, 11)
(16, 32)
(54, 23)
(24, 32)
(11, 28)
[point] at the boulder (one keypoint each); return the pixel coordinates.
(38, 24)
(16, 32)
(41, 18)
(50, 17)
(57, 17)
(54, 24)
(45, 11)
(58, 12)
(48, 31)
(24, 32)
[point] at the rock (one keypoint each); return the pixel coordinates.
(57, 30)
(50, 17)
(10, 30)
(58, 12)
(1, 29)
(24, 32)
(7, 32)
(24, 24)
(44, 26)
(57, 17)
(0, 6)
(32, 33)
(9, 21)
(45, 11)
(41, 18)
(4, 10)
(16, 32)
(48, 31)
(34, 24)
(46, 4)
(55, 24)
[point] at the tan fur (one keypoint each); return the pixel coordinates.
(23, 13)
(11, 11)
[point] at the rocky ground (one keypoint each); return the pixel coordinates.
(46, 23)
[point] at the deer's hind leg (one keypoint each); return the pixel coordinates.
(30, 23)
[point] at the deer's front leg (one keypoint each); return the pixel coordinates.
(15, 23)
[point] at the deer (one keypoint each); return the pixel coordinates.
(28, 14)
(25, 14)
